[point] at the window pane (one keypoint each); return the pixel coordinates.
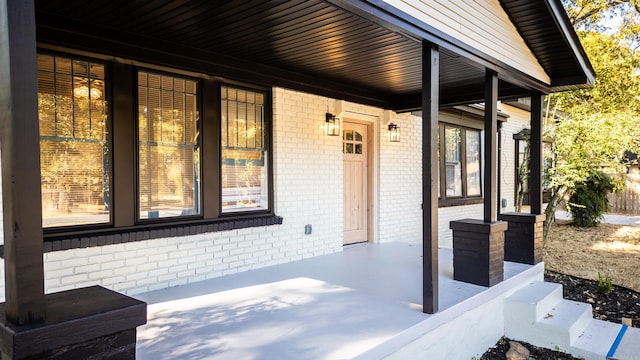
(244, 156)
(453, 166)
(521, 170)
(74, 149)
(348, 148)
(473, 162)
(168, 161)
(348, 134)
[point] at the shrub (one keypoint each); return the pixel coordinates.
(604, 284)
(589, 200)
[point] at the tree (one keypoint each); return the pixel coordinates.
(601, 123)
(606, 16)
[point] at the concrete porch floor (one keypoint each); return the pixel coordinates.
(364, 301)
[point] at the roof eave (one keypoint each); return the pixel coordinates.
(571, 38)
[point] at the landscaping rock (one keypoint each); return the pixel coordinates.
(517, 351)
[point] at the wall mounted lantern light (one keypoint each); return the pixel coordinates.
(332, 125)
(394, 133)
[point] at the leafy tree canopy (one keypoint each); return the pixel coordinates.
(596, 126)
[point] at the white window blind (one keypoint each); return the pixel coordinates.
(74, 151)
(168, 146)
(244, 154)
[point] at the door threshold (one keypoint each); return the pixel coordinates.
(355, 244)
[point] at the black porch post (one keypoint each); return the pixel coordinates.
(490, 144)
(535, 179)
(478, 245)
(523, 239)
(430, 104)
(24, 274)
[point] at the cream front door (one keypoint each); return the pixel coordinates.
(356, 192)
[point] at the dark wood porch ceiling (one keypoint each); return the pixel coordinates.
(332, 48)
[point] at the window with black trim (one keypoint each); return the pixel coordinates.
(74, 141)
(175, 149)
(244, 153)
(522, 170)
(460, 162)
(168, 146)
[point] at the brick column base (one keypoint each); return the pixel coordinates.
(88, 323)
(523, 239)
(478, 251)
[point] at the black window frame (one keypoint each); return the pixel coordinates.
(464, 199)
(199, 99)
(125, 224)
(109, 140)
(547, 163)
(268, 142)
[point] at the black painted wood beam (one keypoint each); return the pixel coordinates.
(490, 146)
(535, 179)
(430, 106)
(24, 273)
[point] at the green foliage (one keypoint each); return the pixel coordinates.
(589, 200)
(621, 17)
(594, 127)
(604, 284)
(617, 81)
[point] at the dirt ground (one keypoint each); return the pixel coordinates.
(611, 250)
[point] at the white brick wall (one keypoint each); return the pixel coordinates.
(518, 120)
(451, 213)
(308, 175)
(159, 263)
(401, 180)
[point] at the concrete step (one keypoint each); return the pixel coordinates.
(627, 347)
(562, 324)
(596, 340)
(533, 301)
(540, 316)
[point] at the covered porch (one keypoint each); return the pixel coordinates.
(363, 302)
(382, 54)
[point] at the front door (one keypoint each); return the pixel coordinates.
(356, 192)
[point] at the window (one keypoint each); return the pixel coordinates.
(175, 152)
(460, 167)
(523, 154)
(244, 154)
(352, 142)
(168, 147)
(74, 141)
(473, 162)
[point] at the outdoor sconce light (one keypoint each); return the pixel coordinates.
(332, 125)
(394, 133)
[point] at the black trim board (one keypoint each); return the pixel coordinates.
(104, 237)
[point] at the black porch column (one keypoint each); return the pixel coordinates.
(490, 146)
(478, 245)
(24, 276)
(535, 179)
(430, 104)
(77, 324)
(523, 239)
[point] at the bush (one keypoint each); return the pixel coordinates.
(604, 284)
(589, 201)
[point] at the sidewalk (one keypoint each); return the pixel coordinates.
(608, 218)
